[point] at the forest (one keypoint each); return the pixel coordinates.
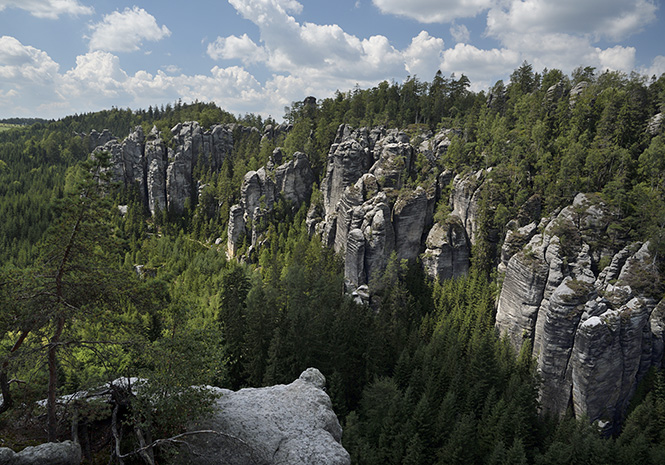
(89, 294)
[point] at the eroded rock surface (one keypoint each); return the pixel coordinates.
(370, 208)
(291, 424)
(163, 175)
(260, 191)
(50, 453)
(595, 332)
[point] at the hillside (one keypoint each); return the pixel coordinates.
(477, 275)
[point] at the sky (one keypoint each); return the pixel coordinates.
(60, 57)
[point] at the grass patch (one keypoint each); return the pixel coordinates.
(7, 126)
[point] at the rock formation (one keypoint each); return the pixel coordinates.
(163, 174)
(260, 190)
(369, 197)
(369, 209)
(447, 252)
(50, 453)
(595, 332)
(290, 424)
(655, 124)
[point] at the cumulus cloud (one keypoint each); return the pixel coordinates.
(324, 54)
(657, 67)
(125, 31)
(423, 56)
(479, 65)
(231, 47)
(433, 11)
(611, 19)
(460, 32)
(50, 9)
(96, 73)
(22, 65)
(616, 58)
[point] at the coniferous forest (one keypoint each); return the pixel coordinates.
(90, 292)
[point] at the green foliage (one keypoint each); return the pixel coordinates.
(419, 376)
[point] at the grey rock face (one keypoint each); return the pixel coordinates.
(98, 139)
(236, 229)
(365, 191)
(348, 159)
(290, 424)
(395, 155)
(409, 223)
(464, 201)
(558, 334)
(515, 241)
(521, 296)
(294, 179)
(51, 453)
(367, 212)
(595, 333)
(447, 253)
(157, 161)
(164, 175)
(354, 259)
(655, 124)
(576, 91)
(259, 192)
(434, 147)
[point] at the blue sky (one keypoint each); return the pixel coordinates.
(59, 57)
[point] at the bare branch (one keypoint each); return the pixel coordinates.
(177, 439)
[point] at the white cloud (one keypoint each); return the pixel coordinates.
(467, 59)
(460, 33)
(96, 73)
(612, 19)
(171, 69)
(23, 65)
(263, 8)
(242, 48)
(566, 52)
(433, 11)
(324, 54)
(125, 31)
(50, 9)
(617, 58)
(424, 55)
(657, 67)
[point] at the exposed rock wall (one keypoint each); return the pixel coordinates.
(368, 192)
(595, 332)
(370, 209)
(50, 453)
(163, 175)
(260, 190)
(290, 424)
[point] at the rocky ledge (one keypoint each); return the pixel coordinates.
(586, 306)
(291, 424)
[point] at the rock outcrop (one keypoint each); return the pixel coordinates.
(290, 424)
(447, 253)
(368, 194)
(50, 453)
(260, 191)
(163, 174)
(655, 124)
(369, 209)
(595, 332)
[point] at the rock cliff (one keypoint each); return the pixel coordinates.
(163, 172)
(371, 204)
(260, 191)
(371, 207)
(584, 307)
(290, 424)
(50, 453)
